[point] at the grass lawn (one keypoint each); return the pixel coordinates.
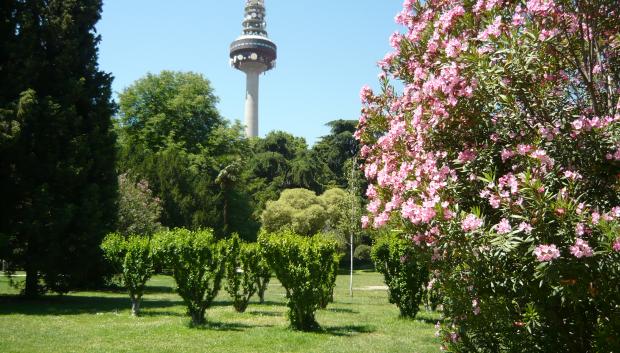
(101, 322)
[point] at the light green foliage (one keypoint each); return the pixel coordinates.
(404, 275)
(303, 212)
(138, 210)
(242, 275)
(133, 258)
(306, 268)
(197, 262)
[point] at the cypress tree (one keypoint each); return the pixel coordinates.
(60, 160)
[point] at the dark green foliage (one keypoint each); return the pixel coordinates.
(394, 257)
(242, 271)
(133, 258)
(337, 148)
(57, 177)
(362, 253)
(283, 161)
(306, 268)
(197, 262)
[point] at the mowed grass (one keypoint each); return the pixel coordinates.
(101, 322)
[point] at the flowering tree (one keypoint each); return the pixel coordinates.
(500, 160)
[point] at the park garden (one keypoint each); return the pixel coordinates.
(478, 195)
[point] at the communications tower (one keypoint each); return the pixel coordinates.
(253, 53)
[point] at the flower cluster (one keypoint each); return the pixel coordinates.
(503, 128)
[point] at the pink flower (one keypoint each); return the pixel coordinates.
(580, 229)
(381, 219)
(475, 305)
(503, 227)
(471, 223)
(365, 221)
(546, 252)
(454, 47)
(365, 94)
(616, 245)
(525, 227)
(581, 249)
(466, 155)
(595, 217)
(494, 201)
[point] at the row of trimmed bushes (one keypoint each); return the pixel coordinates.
(306, 267)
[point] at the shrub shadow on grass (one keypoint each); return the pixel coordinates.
(74, 305)
(342, 310)
(263, 313)
(347, 330)
(223, 326)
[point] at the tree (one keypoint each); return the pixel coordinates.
(335, 149)
(499, 160)
(138, 210)
(282, 161)
(171, 135)
(57, 143)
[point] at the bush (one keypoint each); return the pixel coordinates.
(197, 262)
(242, 271)
(500, 159)
(306, 268)
(405, 276)
(362, 253)
(263, 275)
(133, 258)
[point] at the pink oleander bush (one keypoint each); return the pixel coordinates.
(498, 156)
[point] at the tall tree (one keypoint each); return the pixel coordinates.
(336, 148)
(172, 135)
(58, 168)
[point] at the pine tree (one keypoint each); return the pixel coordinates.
(60, 165)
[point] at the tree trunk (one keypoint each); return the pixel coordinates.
(32, 283)
(135, 306)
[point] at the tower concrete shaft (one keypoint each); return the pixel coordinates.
(251, 103)
(253, 53)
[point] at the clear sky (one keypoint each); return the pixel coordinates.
(327, 50)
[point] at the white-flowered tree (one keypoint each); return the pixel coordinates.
(500, 160)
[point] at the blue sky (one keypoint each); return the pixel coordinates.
(327, 49)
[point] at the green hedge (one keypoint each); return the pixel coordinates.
(197, 262)
(306, 268)
(405, 277)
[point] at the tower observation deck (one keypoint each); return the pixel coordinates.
(253, 53)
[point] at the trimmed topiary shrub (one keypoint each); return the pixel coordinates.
(305, 267)
(197, 263)
(242, 265)
(133, 259)
(405, 276)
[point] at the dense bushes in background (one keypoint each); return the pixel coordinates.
(197, 262)
(405, 275)
(132, 257)
(499, 160)
(305, 267)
